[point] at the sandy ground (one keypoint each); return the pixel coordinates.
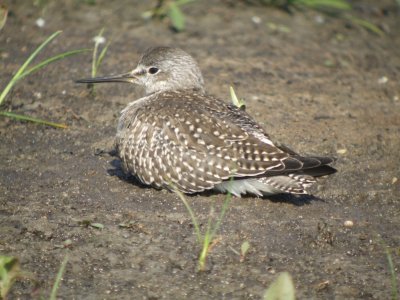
(318, 87)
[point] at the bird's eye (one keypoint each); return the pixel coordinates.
(153, 70)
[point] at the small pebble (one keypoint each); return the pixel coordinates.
(40, 22)
(341, 151)
(4, 55)
(256, 20)
(348, 223)
(67, 243)
(383, 80)
(319, 19)
(394, 180)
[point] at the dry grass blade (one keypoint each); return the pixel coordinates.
(3, 16)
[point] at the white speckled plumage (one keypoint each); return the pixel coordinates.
(179, 135)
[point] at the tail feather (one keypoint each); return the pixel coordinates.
(304, 165)
(294, 176)
(320, 171)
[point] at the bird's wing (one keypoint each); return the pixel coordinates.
(197, 146)
(292, 161)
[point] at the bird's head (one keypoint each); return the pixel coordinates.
(160, 69)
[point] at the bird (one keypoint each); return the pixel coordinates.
(179, 137)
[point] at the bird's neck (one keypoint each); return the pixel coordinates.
(197, 89)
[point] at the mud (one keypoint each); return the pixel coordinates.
(317, 87)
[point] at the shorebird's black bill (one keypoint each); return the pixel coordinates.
(127, 77)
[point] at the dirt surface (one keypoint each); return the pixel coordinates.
(316, 83)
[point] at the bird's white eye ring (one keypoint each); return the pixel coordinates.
(153, 70)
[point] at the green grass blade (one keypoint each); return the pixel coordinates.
(95, 49)
(9, 272)
(53, 295)
(21, 71)
(235, 100)
(395, 295)
(282, 288)
(366, 24)
(244, 248)
(205, 248)
(94, 61)
(191, 213)
(176, 16)
(7, 90)
(222, 214)
(101, 56)
(335, 4)
(51, 60)
(183, 2)
(209, 229)
(31, 119)
(35, 53)
(207, 240)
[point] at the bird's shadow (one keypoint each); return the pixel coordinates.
(297, 200)
(118, 171)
